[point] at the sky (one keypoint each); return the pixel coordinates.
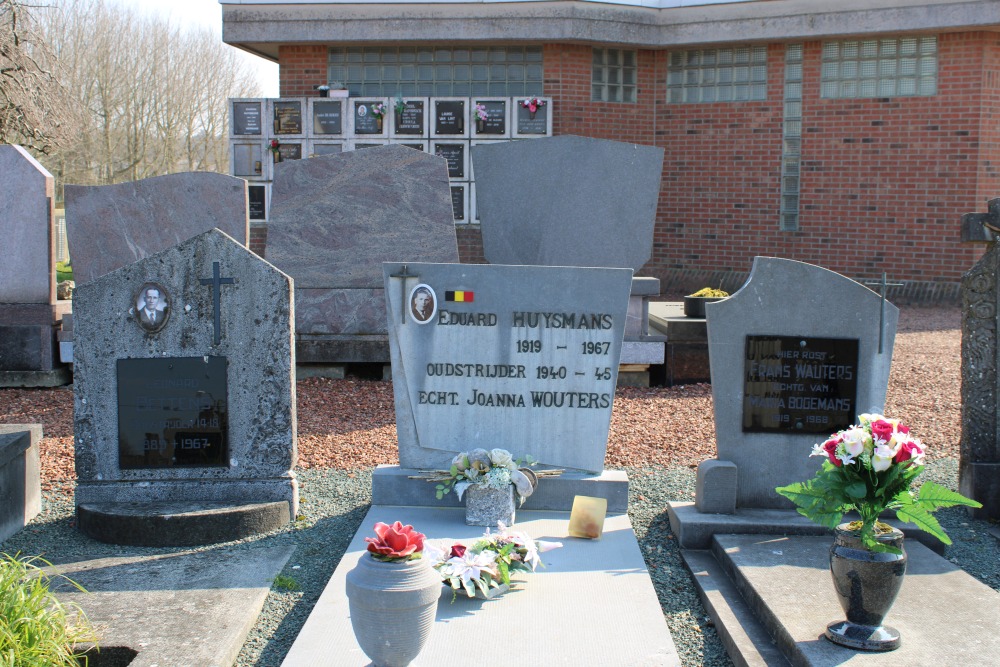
(208, 13)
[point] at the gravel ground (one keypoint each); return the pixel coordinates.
(658, 436)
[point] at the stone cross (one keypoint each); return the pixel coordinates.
(216, 281)
(982, 227)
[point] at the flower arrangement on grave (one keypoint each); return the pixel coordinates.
(395, 543)
(532, 104)
(710, 293)
(486, 566)
(481, 113)
(275, 147)
(494, 469)
(869, 468)
(378, 109)
(399, 105)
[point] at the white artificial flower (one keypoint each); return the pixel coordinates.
(435, 554)
(470, 565)
(502, 458)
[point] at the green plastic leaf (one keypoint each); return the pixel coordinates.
(933, 496)
(856, 490)
(918, 515)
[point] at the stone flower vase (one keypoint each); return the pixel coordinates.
(867, 583)
(393, 605)
(488, 507)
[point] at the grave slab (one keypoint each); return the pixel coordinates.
(20, 476)
(758, 587)
(592, 604)
(111, 226)
(175, 609)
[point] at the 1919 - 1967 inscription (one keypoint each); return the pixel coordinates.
(580, 360)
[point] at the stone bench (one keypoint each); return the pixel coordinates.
(20, 476)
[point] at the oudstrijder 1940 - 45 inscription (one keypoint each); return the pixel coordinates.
(527, 381)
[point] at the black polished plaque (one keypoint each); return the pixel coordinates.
(328, 117)
(288, 118)
(290, 151)
(458, 202)
(172, 412)
(366, 122)
(455, 155)
(532, 123)
(327, 149)
(449, 117)
(246, 118)
(799, 384)
(257, 202)
(496, 118)
(411, 119)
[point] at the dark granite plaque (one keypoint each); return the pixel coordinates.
(791, 383)
(449, 117)
(290, 152)
(327, 149)
(455, 155)
(496, 118)
(366, 122)
(458, 202)
(411, 119)
(288, 118)
(246, 160)
(246, 118)
(257, 202)
(172, 412)
(359, 147)
(528, 123)
(328, 117)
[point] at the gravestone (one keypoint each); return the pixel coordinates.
(247, 118)
(328, 117)
(110, 226)
(580, 202)
(334, 220)
(517, 357)
(410, 120)
(789, 367)
(30, 313)
(184, 390)
(20, 476)
(979, 470)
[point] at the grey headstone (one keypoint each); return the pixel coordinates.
(20, 476)
(785, 298)
(336, 218)
(110, 226)
(715, 488)
(526, 362)
(27, 272)
(567, 201)
(244, 326)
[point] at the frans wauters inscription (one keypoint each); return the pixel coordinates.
(794, 383)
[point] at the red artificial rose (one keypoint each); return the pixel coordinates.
(830, 447)
(395, 541)
(882, 430)
(907, 451)
(458, 550)
(902, 429)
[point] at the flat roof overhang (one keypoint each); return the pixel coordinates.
(262, 28)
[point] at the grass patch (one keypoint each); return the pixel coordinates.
(286, 583)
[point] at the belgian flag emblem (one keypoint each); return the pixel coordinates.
(465, 297)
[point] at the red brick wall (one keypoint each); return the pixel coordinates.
(301, 68)
(989, 126)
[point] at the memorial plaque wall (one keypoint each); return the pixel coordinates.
(458, 199)
(290, 152)
(794, 383)
(327, 149)
(411, 119)
(449, 117)
(247, 161)
(496, 119)
(529, 122)
(246, 118)
(365, 121)
(328, 117)
(172, 412)
(287, 117)
(257, 202)
(455, 155)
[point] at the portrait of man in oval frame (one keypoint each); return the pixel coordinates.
(423, 303)
(152, 306)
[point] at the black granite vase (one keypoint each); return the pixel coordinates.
(867, 583)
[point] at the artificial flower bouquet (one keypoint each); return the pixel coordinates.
(495, 469)
(489, 562)
(869, 468)
(274, 146)
(532, 104)
(481, 113)
(378, 109)
(395, 543)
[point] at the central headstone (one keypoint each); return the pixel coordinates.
(184, 380)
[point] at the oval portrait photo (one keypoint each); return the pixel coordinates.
(152, 306)
(423, 303)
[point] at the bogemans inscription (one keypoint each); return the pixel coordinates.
(794, 383)
(172, 412)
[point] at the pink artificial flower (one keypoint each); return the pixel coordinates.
(882, 430)
(908, 450)
(830, 447)
(396, 541)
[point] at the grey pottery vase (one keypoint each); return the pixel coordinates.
(867, 583)
(393, 606)
(488, 507)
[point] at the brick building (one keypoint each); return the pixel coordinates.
(851, 134)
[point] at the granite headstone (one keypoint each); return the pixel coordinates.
(184, 379)
(334, 220)
(796, 354)
(110, 226)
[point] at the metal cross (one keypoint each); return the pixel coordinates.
(881, 313)
(404, 274)
(216, 281)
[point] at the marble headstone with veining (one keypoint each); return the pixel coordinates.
(27, 272)
(791, 352)
(335, 219)
(221, 347)
(567, 201)
(110, 226)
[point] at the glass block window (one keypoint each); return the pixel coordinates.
(895, 67)
(717, 75)
(613, 76)
(791, 153)
(438, 71)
